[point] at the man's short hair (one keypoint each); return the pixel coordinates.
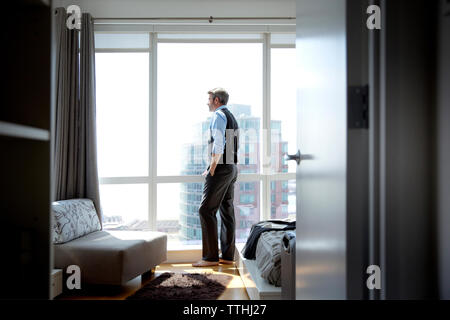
(220, 93)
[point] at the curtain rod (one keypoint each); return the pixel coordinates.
(210, 19)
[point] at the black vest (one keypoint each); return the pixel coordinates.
(230, 152)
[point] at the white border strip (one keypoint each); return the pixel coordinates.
(246, 177)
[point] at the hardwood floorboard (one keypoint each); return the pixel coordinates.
(234, 291)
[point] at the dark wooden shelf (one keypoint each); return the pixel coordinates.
(9, 129)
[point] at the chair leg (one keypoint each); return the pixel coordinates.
(147, 275)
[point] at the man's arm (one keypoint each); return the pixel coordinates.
(212, 166)
(214, 160)
(218, 131)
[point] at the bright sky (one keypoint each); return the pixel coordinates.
(186, 72)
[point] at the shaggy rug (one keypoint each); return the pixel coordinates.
(183, 286)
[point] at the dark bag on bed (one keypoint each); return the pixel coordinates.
(249, 250)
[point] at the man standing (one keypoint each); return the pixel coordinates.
(218, 191)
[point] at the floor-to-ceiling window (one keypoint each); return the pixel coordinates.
(283, 124)
(153, 120)
(122, 99)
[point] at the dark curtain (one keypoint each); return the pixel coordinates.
(74, 145)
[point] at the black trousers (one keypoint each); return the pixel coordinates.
(218, 193)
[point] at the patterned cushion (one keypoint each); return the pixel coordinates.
(73, 219)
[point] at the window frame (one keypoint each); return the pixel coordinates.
(265, 177)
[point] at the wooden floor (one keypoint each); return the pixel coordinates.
(235, 289)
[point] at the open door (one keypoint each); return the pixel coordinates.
(324, 73)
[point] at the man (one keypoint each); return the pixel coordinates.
(218, 191)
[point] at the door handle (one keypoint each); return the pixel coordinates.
(299, 157)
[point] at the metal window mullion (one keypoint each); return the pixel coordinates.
(210, 40)
(282, 176)
(282, 46)
(266, 138)
(152, 196)
(200, 179)
(124, 180)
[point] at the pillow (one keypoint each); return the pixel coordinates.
(73, 218)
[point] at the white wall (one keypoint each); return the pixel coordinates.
(180, 8)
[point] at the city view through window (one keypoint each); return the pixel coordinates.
(185, 73)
